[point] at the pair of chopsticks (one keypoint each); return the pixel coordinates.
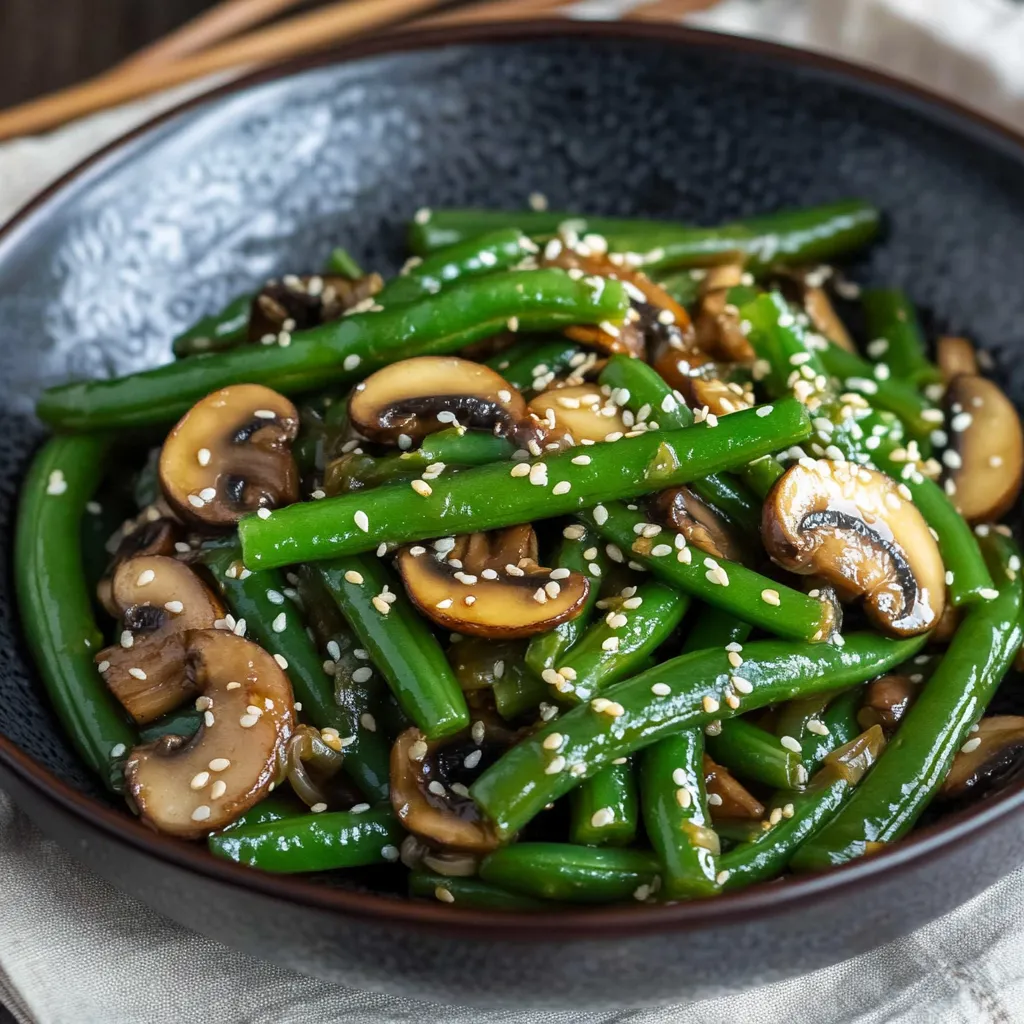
(227, 37)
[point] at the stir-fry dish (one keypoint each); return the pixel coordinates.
(586, 560)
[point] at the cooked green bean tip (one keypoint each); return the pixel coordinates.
(852, 761)
(853, 527)
(231, 454)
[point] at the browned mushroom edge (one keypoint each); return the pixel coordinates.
(853, 527)
(682, 510)
(310, 765)
(298, 303)
(582, 414)
(404, 402)
(189, 787)
(147, 537)
(985, 460)
(158, 599)
(728, 799)
(231, 454)
(430, 784)
(991, 757)
(489, 584)
(956, 356)
(654, 316)
(886, 700)
(702, 384)
(717, 327)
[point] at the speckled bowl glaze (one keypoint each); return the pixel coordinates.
(266, 175)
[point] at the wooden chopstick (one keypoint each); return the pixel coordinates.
(490, 10)
(226, 19)
(305, 33)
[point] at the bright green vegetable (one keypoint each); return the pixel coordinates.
(399, 642)
(56, 608)
(810, 235)
(895, 337)
(605, 811)
(530, 365)
(753, 753)
(631, 630)
(918, 758)
(341, 351)
(840, 718)
(313, 842)
(221, 330)
(633, 714)
(463, 502)
(742, 592)
(573, 874)
(342, 262)
(676, 815)
(469, 892)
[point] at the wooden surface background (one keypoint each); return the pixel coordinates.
(47, 44)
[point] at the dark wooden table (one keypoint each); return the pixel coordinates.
(46, 44)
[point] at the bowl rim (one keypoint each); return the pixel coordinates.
(602, 924)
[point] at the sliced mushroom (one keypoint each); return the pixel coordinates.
(310, 766)
(685, 512)
(150, 537)
(717, 327)
(429, 785)
(298, 303)
(852, 760)
(825, 319)
(851, 526)
(728, 798)
(703, 384)
(189, 787)
(158, 599)
(231, 454)
(985, 460)
(956, 356)
(992, 757)
(886, 700)
(416, 397)
(489, 584)
(583, 413)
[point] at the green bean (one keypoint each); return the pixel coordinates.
(747, 594)
(676, 815)
(755, 754)
(811, 235)
(341, 351)
(896, 338)
(275, 807)
(796, 817)
(474, 257)
(616, 645)
(342, 263)
(604, 811)
(469, 892)
(56, 608)
(518, 690)
(183, 722)
(573, 874)
(684, 692)
(221, 330)
(578, 552)
(464, 502)
(840, 718)
(917, 760)
(715, 627)
(400, 643)
(313, 842)
(528, 364)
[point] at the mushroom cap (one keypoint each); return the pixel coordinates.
(684, 511)
(230, 454)
(852, 526)
(419, 396)
(306, 301)
(581, 411)
(886, 700)
(717, 327)
(955, 356)
(174, 783)
(490, 585)
(442, 816)
(149, 537)
(988, 467)
(996, 760)
(158, 599)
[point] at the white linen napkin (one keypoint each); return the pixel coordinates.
(73, 950)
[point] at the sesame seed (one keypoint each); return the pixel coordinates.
(56, 484)
(422, 487)
(771, 597)
(574, 532)
(219, 764)
(661, 689)
(203, 456)
(661, 550)
(351, 576)
(556, 765)
(610, 644)
(363, 674)
(136, 673)
(127, 640)
(562, 487)
(683, 796)
(710, 704)
(248, 721)
(362, 521)
(614, 553)
(616, 620)
(201, 813)
(988, 593)
(239, 629)
(145, 578)
(199, 781)
(603, 816)
(715, 799)
(117, 750)
(280, 623)
(103, 666)
(539, 474)
(443, 894)
(282, 661)
(600, 515)
(381, 605)
(791, 744)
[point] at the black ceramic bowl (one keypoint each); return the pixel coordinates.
(266, 175)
